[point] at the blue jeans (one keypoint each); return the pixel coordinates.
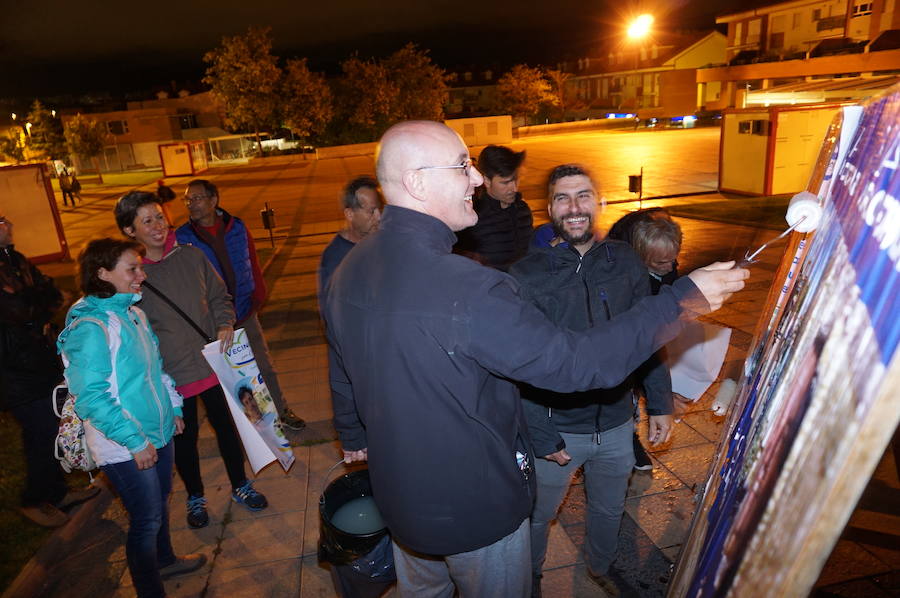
(607, 467)
(145, 494)
(499, 569)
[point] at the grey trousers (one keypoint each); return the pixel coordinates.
(607, 467)
(263, 359)
(500, 570)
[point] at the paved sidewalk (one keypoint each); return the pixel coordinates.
(273, 552)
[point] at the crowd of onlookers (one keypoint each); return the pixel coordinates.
(474, 362)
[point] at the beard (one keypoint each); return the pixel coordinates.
(558, 227)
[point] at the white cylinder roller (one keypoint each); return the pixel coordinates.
(805, 206)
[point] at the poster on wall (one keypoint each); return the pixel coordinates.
(250, 403)
(818, 402)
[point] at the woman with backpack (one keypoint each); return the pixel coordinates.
(129, 405)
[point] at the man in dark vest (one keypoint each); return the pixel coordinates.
(229, 247)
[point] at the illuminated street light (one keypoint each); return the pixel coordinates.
(640, 27)
(53, 113)
(13, 115)
(28, 128)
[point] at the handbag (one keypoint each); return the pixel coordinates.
(71, 449)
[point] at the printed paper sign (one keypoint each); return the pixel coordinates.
(250, 403)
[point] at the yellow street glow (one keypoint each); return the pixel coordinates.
(640, 26)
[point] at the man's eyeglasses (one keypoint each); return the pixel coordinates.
(189, 199)
(466, 167)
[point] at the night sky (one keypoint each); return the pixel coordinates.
(56, 47)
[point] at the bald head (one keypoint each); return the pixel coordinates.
(410, 145)
(423, 166)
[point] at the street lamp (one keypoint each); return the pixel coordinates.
(28, 128)
(13, 115)
(640, 27)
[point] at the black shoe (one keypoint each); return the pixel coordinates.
(183, 565)
(291, 421)
(197, 516)
(642, 460)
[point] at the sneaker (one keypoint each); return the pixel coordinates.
(183, 565)
(290, 420)
(642, 460)
(76, 497)
(605, 582)
(197, 516)
(250, 498)
(45, 515)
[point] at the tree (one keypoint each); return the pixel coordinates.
(307, 107)
(523, 91)
(244, 76)
(11, 146)
(86, 137)
(46, 137)
(558, 81)
(366, 100)
(420, 83)
(373, 95)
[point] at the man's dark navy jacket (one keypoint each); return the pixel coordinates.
(424, 345)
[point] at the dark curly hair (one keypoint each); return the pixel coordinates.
(102, 253)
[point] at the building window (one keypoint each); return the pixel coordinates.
(488, 75)
(467, 76)
(187, 121)
(654, 51)
(753, 29)
(117, 127)
(817, 14)
(795, 22)
(760, 127)
(776, 42)
(861, 9)
(744, 127)
(777, 23)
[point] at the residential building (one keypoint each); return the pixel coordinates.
(472, 92)
(136, 132)
(654, 78)
(787, 43)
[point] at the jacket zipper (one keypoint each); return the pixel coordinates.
(143, 336)
(605, 299)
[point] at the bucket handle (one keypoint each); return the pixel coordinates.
(327, 477)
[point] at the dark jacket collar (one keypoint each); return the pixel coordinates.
(424, 230)
(487, 201)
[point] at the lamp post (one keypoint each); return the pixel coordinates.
(637, 30)
(640, 27)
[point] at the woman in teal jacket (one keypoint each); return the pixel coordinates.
(129, 405)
